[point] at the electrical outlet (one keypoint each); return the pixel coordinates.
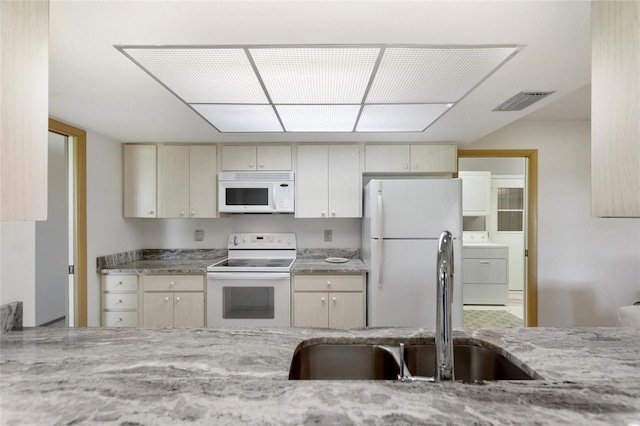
(199, 235)
(328, 235)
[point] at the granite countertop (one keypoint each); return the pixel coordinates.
(239, 376)
(162, 266)
(320, 265)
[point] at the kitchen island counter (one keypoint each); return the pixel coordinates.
(239, 376)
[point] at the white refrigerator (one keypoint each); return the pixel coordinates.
(403, 220)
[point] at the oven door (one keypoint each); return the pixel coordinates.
(248, 299)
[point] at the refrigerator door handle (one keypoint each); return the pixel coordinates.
(380, 238)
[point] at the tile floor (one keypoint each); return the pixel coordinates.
(515, 306)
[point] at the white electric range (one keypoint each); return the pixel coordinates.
(252, 287)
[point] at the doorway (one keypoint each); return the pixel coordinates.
(512, 223)
(73, 252)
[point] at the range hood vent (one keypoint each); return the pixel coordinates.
(522, 100)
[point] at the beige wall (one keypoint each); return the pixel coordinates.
(587, 267)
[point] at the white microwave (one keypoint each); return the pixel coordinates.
(255, 192)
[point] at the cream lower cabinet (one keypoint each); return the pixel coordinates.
(328, 300)
(120, 301)
(173, 301)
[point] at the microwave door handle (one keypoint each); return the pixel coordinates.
(380, 238)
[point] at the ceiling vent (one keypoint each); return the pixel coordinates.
(522, 100)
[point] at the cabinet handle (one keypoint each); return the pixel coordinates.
(173, 283)
(119, 283)
(322, 213)
(181, 213)
(119, 320)
(193, 213)
(166, 299)
(150, 211)
(415, 166)
(334, 299)
(406, 166)
(177, 298)
(322, 299)
(250, 164)
(261, 165)
(119, 300)
(328, 283)
(333, 213)
(484, 262)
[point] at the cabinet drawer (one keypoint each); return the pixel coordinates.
(120, 301)
(484, 271)
(174, 283)
(485, 252)
(328, 283)
(120, 282)
(120, 319)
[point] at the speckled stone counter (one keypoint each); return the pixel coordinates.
(239, 376)
(320, 266)
(163, 266)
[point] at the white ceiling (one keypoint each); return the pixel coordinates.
(94, 86)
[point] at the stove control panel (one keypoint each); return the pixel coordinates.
(262, 241)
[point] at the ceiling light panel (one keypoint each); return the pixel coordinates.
(315, 75)
(240, 118)
(399, 118)
(202, 75)
(318, 118)
(433, 75)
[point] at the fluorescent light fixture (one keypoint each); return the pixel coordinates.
(433, 74)
(197, 75)
(240, 118)
(315, 75)
(399, 118)
(318, 118)
(320, 88)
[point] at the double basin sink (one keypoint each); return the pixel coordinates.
(474, 360)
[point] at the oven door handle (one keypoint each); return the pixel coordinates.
(248, 275)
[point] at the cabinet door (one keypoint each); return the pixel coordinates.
(173, 181)
(476, 193)
(346, 310)
(387, 158)
(188, 310)
(345, 181)
(310, 309)
(238, 157)
(158, 310)
(273, 157)
(202, 181)
(140, 180)
(434, 158)
(312, 192)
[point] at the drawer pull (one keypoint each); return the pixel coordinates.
(178, 299)
(173, 283)
(484, 262)
(119, 319)
(166, 299)
(322, 299)
(328, 283)
(119, 300)
(119, 283)
(334, 299)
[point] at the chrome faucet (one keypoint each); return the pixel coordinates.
(444, 339)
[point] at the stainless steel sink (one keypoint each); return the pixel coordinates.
(343, 362)
(379, 360)
(471, 363)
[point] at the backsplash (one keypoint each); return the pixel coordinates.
(113, 260)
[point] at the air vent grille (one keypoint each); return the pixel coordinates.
(521, 101)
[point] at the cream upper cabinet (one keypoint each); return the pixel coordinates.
(615, 113)
(187, 181)
(261, 157)
(328, 181)
(423, 158)
(476, 193)
(24, 91)
(140, 180)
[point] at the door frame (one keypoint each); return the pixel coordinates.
(79, 224)
(531, 181)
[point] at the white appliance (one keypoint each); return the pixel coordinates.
(255, 192)
(403, 220)
(252, 287)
